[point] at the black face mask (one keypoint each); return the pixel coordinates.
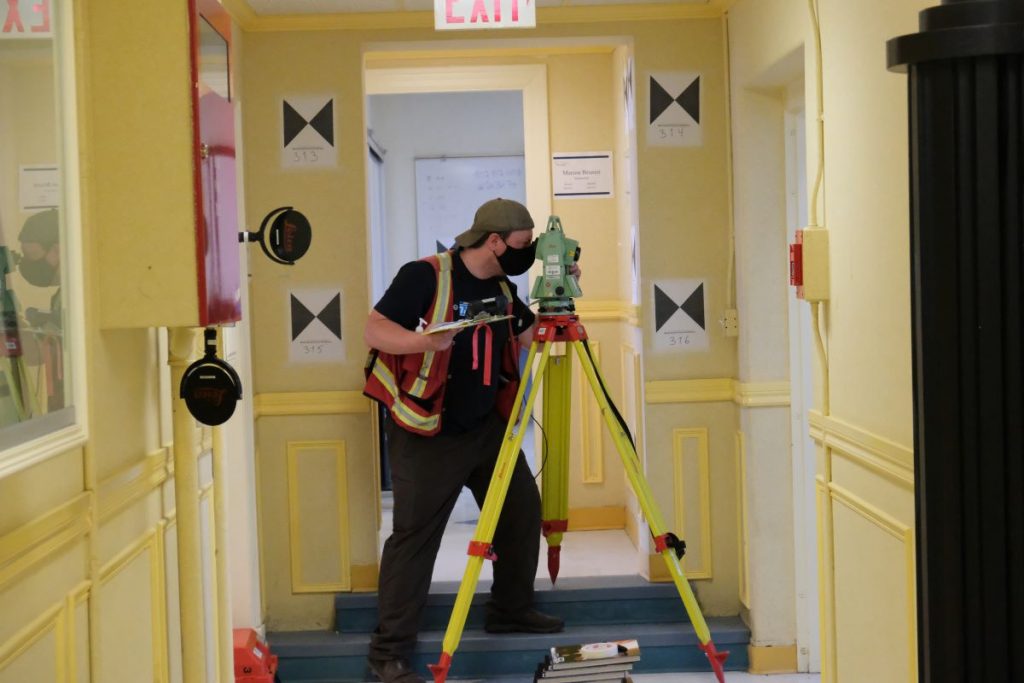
(37, 272)
(517, 261)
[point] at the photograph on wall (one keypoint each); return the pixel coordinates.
(307, 128)
(674, 107)
(315, 330)
(679, 320)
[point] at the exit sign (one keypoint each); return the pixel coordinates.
(476, 14)
(25, 19)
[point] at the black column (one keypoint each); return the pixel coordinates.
(967, 248)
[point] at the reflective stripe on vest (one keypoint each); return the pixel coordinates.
(402, 412)
(441, 306)
(508, 294)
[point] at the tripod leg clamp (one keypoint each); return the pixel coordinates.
(715, 658)
(554, 526)
(482, 549)
(670, 540)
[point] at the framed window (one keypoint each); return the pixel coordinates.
(41, 350)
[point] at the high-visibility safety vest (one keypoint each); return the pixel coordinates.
(412, 385)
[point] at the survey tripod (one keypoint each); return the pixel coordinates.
(558, 323)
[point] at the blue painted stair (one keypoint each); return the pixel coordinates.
(594, 609)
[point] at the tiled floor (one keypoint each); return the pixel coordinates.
(584, 553)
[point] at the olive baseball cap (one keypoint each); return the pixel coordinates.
(42, 227)
(497, 215)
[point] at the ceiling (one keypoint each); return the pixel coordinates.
(292, 7)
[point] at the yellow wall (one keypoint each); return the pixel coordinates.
(88, 537)
(864, 427)
(683, 226)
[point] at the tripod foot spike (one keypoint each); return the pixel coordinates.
(716, 658)
(440, 670)
(554, 562)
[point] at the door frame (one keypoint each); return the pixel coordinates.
(805, 534)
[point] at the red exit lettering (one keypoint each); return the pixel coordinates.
(455, 11)
(40, 12)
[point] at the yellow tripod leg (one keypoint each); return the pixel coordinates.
(631, 463)
(493, 502)
(555, 465)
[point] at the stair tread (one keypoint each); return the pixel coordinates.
(590, 589)
(724, 630)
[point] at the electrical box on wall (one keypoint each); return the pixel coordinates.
(809, 264)
(161, 159)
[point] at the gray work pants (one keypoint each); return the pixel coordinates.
(427, 475)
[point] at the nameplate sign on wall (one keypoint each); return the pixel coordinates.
(460, 15)
(25, 19)
(307, 129)
(38, 187)
(581, 175)
(315, 326)
(674, 106)
(679, 320)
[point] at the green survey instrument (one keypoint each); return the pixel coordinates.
(557, 322)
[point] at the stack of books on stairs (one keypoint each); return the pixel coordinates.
(587, 662)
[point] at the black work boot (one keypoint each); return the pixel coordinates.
(527, 621)
(394, 671)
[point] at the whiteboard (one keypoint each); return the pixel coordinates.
(449, 190)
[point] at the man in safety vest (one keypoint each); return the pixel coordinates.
(447, 395)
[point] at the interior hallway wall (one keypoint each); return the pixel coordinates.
(462, 124)
(683, 227)
(88, 534)
(863, 425)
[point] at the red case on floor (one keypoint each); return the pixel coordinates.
(253, 661)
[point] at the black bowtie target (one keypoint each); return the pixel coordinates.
(330, 316)
(688, 99)
(322, 122)
(665, 307)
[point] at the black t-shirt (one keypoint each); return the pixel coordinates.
(467, 401)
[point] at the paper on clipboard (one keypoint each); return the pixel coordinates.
(460, 324)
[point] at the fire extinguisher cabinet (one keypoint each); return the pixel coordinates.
(161, 159)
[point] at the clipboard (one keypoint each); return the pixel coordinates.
(462, 324)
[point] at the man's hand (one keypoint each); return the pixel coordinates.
(574, 269)
(439, 341)
(386, 335)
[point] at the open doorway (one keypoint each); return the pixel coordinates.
(427, 189)
(500, 113)
(443, 141)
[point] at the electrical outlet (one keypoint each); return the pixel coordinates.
(731, 323)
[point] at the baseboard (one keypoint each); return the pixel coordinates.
(364, 578)
(771, 659)
(597, 519)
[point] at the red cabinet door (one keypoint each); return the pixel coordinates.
(217, 247)
(220, 296)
